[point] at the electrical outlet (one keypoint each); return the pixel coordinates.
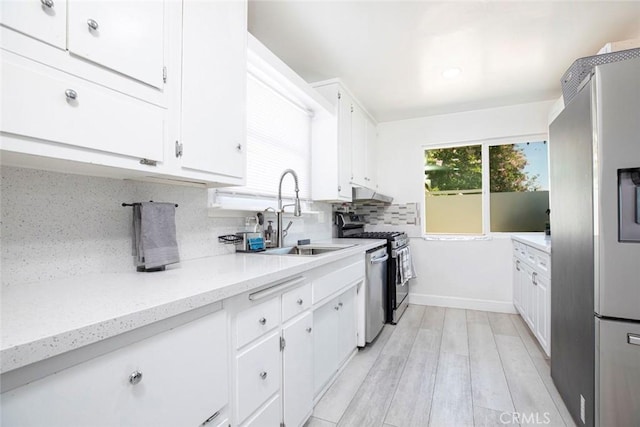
(582, 409)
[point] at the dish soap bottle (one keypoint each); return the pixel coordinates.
(268, 234)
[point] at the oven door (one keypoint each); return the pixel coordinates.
(398, 292)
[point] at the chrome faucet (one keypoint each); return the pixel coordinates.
(280, 211)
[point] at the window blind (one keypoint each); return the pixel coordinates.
(278, 138)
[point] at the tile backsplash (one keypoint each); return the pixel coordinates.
(57, 225)
(395, 214)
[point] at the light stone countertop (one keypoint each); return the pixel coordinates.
(44, 319)
(537, 240)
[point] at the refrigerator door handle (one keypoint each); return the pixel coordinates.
(633, 339)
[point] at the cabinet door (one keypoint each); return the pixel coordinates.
(344, 145)
(298, 370)
(45, 21)
(371, 176)
(517, 284)
(325, 345)
(125, 36)
(358, 146)
(528, 296)
(347, 324)
(258, 375)
(183, 381)
(543, 314)
(214, 80)
(45, 104)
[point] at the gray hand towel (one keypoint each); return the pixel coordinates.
(154, 229)
(404, 266)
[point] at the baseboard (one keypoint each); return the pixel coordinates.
(466, 303)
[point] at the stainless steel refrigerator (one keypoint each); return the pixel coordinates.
(595, 268)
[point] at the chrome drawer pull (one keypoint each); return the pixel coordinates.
(135, 377)
(71, 94)
(48, 3)
(633, 339)
(262, 321)
(309, 329)
(299, 301)
(263, 375)
(93, 25)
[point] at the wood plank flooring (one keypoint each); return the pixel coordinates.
(446, 367)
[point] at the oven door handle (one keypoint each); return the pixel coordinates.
(380, 259)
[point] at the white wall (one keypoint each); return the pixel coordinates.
(466, 273)
(57, 225)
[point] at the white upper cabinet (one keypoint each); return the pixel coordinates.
(371, 176)
(214, 85)
(125, 36)
(44, 20)
(348, 153)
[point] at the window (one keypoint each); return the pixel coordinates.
(278, 138)
(515, 173)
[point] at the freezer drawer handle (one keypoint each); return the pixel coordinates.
(633, 339)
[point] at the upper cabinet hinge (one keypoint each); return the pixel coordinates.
(339, 95)
(283, 343)
(164, 74)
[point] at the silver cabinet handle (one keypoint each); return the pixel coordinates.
(71, 94)
(336, 308)
(633, 339)
(263, 375)
(533, 278)
(309, 329)
(262, 321)
(518, 265)
(300, 301)
(339, 304)
(135, 377)
(47, 3)
(93, 25)
(239, 147)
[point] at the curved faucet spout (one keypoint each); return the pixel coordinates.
(296, 205)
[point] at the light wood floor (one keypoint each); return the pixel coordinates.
(446, 367)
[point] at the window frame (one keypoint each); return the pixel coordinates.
(486, 191)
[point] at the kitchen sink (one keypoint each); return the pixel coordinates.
(305, 250)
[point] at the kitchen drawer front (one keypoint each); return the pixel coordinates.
(270, 415)
(543, 263)
(259, 371)
(36, 19)
(183, 381)
(256, 321)
(333, 282)
(296, 301)
(36, 103)
(128, 38)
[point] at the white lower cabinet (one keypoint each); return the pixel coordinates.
(335, 336)
(258, 375)
(532, 291)
(178, 377)
(297, 367)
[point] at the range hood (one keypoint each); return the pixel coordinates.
(362, 194)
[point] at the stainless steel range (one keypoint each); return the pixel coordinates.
(397, 290)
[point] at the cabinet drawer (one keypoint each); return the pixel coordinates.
(183, 382)
(35, 104)
(257, 320)
(36, 19)
(296, 301)
(127, 36)
(333, 282)
(258, 371)
(543, 262)
(268, 416)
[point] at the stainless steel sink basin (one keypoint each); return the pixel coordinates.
(305, 250)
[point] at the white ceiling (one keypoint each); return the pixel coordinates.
(391, 54)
